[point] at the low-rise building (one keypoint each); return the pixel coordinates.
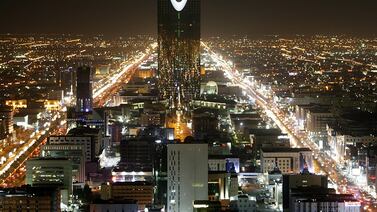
(114, 206)
(76, 153)
(27, 198)
(243, 203)
(288, 160)
(45, 172)
(141, 192)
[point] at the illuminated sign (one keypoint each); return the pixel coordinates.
(352, 204)
(178, 4)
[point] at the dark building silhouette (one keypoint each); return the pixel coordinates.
(84, 95)
(137, 154)
(6, 121)
(67, 81)
(179, 50)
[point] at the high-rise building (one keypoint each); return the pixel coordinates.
(84, 94)
(179, 50)
(6, 121)
(187, 175)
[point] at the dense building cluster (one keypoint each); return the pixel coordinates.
(180, 125)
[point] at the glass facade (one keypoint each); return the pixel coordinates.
(179, 52)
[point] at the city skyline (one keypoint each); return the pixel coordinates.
(131, 17)
(188, 105)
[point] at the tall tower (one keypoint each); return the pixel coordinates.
(84, 93)
(179, 50)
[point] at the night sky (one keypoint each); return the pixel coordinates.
(219, 17)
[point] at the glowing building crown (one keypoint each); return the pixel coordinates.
(179, 4)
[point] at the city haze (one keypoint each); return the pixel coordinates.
(219, 17)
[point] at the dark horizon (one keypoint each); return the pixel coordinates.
(219, 17)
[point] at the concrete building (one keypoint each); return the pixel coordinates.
(141, 192)
(29, 198)
(311, 201)
(274, 185)
(114, 206)
(96, 134)
(187, 175)
(267, 138)
(352, 128)
(222, 185)
(222, 177)
(339, 140)
(316, 114)
(137, 154)
(316, 120)
(302, 180)
(243, 203)
(86, 141)
(76, 153)
(288, 160)
(223, 163)
(42, 172)
(205, 123)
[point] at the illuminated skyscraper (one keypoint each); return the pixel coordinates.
(179, 50)
(84, 96)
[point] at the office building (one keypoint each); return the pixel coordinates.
(205, 123)
(86, 141)
(84, 93)
(76, 153)
(46, 172)
(28, 198)
(243, 203)
(267, 138)
(342, 137)
(306, 190)
(114, 206)
(137, 154)
(288, 160)
(187, 175)
(316, 120)
(304, 200)
(95, 133)
(141, 192)
(179, 50)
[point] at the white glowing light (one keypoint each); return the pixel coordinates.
(106, 161)
(178, 4)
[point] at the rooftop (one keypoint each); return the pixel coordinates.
(285, 149)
